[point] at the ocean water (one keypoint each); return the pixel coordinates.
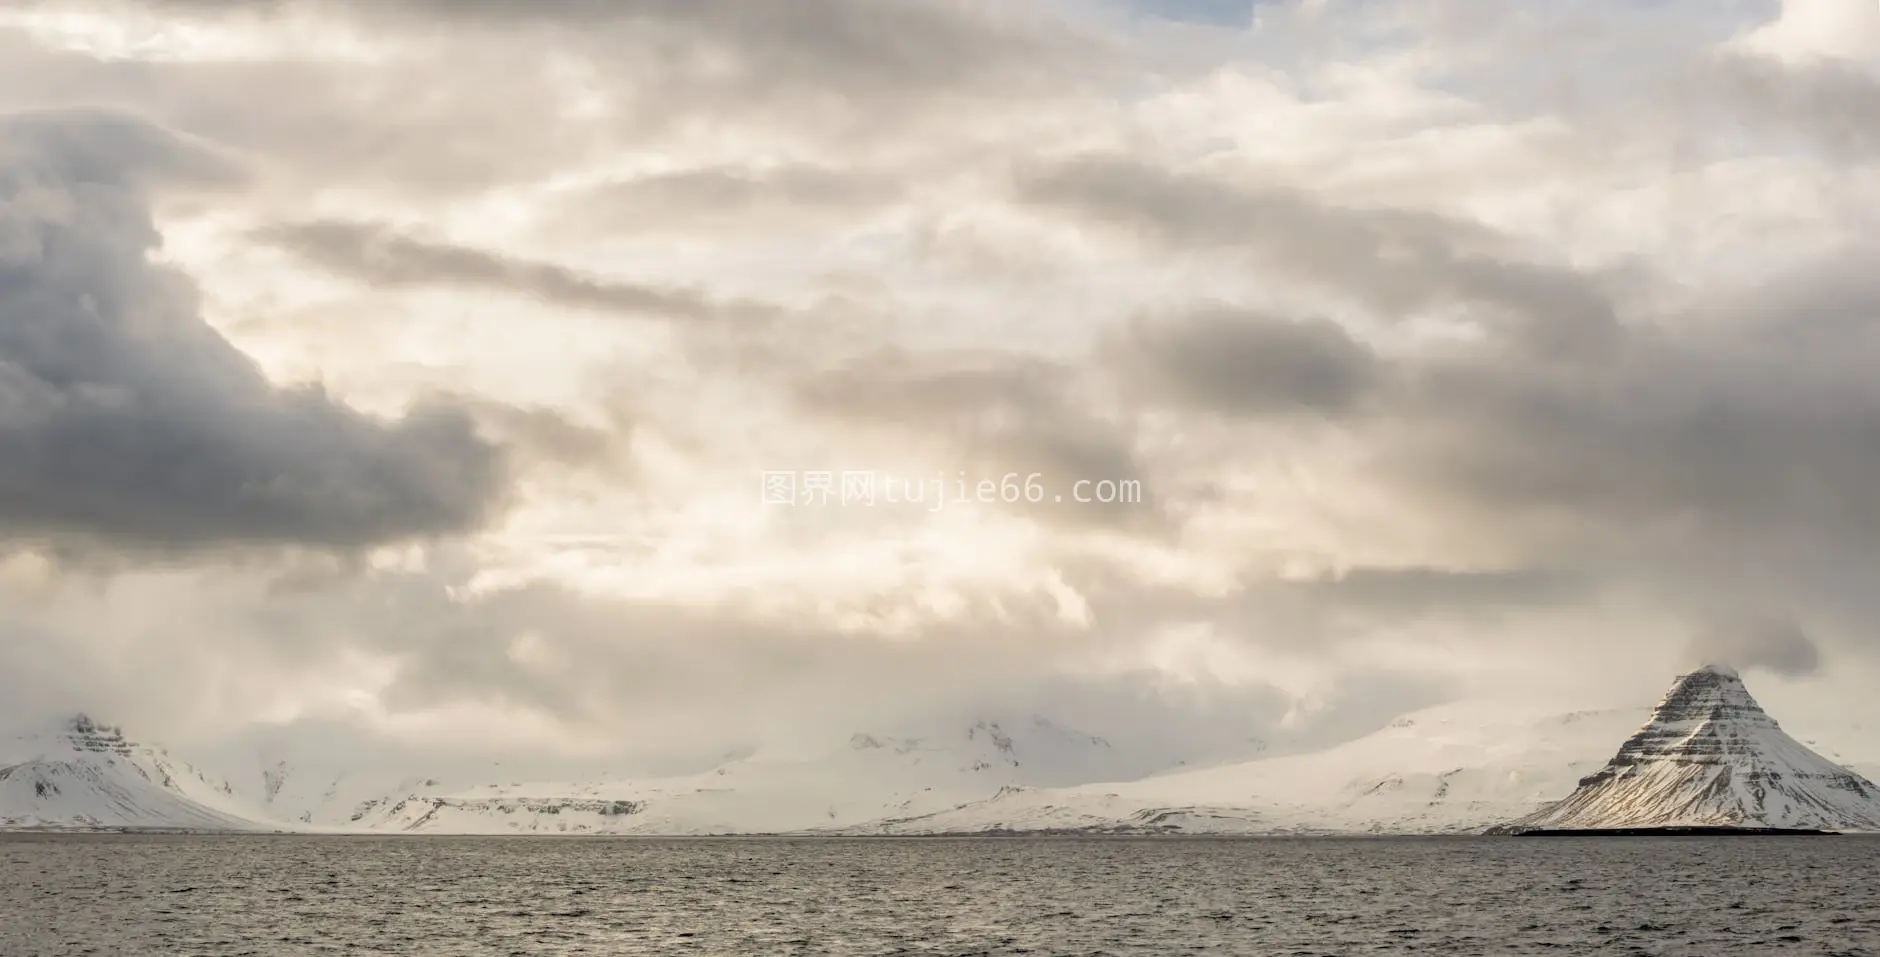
(279, 896)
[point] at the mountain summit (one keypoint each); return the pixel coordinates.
(1711, 757)
(83, 774)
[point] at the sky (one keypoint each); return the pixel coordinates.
(555, 376)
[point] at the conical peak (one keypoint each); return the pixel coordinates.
(1711, 693)
(1711, 756)
(1707, 714)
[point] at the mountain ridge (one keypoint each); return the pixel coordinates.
(1456, 768)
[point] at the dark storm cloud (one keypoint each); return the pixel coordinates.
(379, 255)
(1238, 362)
(1395, 261)
(1765, 434)
(1753, 416)
(125, 417)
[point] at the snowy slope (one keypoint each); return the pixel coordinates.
(1460, 767)
(81, 774)
(301, 795)
(867, 778)
(1711, 756)
(1457, 767)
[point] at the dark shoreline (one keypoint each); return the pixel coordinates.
(1677, 832)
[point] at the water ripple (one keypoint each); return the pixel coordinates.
(290, 896)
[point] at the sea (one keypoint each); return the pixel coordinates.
(127, 895)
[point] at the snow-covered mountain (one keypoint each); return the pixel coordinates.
(1456, 768)
(305, 795)
(327, 777)
(1453, 768)
(81, 774)
(1707, 754)
(867, 778)
(1710, 756)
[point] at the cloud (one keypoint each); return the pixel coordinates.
(1400, 591)
(1240, 362)
(1440, 361)
(1397, 262)
(1759, 430)
(377, 254)
(1832, 105)
(1813, 30)
(714, 53)
(545, 435)
(332, 122)
(994, 415)
(126, 418)
(1236, 13)
(731, 200)
(1774, 644)
(537, 91)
